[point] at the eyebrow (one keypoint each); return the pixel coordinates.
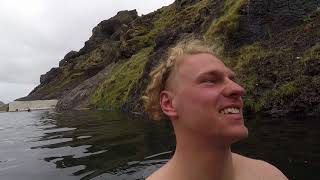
(217, 73)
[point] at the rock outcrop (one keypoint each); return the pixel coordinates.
(75, 68)
(273, 45)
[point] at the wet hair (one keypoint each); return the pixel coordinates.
(162, 74)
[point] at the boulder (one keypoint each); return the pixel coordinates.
(107, 28)
(68, 58)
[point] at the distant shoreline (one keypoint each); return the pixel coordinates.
(17, 106)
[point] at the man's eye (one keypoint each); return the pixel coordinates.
(211, 81)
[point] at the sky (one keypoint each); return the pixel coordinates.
(36, 34)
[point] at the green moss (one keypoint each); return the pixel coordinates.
(113, 92)
(144, 37)
(312, 15)
(273, 72)
(279, 94)
(168, 17)
(193, 10)
(249, 83)
(123, 16)
(247, 73)
(191, 15)
(226, 24)
(250, 53)
(312, 53)
(76, 75)
(257, 65)
(287, 89)
(4, 107)
(94, 58)
(284, 90)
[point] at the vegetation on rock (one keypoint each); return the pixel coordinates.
(273, 46)
(4, 107)
(227, 24)
(113, 92)
(282, 72)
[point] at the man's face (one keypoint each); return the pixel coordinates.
(207, 99)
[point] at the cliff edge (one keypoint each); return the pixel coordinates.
(274, 46)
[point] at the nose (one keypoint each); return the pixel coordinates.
(233, 89)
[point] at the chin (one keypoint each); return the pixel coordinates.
(239, 134)
(230, 136)
(235, 134)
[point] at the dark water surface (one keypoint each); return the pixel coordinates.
(109, 145)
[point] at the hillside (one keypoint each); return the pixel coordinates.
(273, 45)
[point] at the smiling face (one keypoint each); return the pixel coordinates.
(206, 99)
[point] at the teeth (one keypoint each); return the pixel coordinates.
(230, 111)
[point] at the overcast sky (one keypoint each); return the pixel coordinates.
(36, 34)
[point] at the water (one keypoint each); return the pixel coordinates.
(108, 145)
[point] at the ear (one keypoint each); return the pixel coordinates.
(167, 104)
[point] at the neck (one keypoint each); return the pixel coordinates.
(201, 158)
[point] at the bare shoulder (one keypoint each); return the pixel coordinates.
(262, 169)
(269, 171)
(155, 176)
(159, 174)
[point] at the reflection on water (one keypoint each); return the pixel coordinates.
(87, 145)
(110, 145)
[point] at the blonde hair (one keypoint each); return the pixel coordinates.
(161, 73)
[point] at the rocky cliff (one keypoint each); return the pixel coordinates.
(273, 45)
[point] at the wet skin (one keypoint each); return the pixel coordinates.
(197, 99)
(200, 89)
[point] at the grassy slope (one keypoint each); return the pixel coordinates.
(113, 92)
(272, 74)
(273, 71)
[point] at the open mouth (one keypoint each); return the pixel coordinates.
(230, 110)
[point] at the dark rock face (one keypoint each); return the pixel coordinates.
(1, 103)
(68, 58)
(134, 102)
(49, 76)
(99, 51)
(135, 36)
(273, 45)
(312, 67)
(287, 69)
(179, 4)
(109, 28)
(78, 97)
(263, 18)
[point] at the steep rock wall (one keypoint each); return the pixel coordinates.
(273, 46)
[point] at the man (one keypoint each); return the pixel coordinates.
(200, 96)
